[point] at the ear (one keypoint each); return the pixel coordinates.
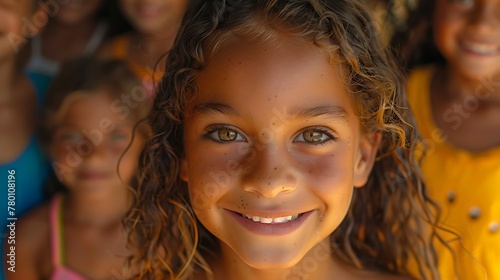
(365, 157)
(184, 172)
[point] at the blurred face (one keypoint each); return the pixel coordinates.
(273, 151)
(11, 26)
(87, 144)
(154, 16)
(467, 33)
(77, 11)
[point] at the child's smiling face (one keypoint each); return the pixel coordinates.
(88, 143)
(272, 134)
(467, 33)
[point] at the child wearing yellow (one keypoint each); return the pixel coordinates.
(456, 102)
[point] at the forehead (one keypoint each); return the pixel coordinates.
(285, 71)
(88, 109)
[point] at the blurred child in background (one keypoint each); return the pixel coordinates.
(456, 101)
(88, 130)
(155, 25)
(74, 29)
(20, 97)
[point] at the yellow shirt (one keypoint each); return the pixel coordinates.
(467, 187)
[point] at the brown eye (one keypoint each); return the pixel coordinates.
(314, 136)
(225, 134)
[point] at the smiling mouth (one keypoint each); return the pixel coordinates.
(277, 220)
(481, 48)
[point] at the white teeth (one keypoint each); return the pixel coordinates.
(482, 48)
(277, 220)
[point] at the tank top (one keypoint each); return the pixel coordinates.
(57, 240)
(39, 64)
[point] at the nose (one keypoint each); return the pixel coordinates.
(270, 172)
(95, 153)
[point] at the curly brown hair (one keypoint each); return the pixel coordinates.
(384, 227)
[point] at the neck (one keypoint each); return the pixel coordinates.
(459, 86)
(151, 47)
(317, 264)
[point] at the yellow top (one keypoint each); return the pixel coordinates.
(467, 187)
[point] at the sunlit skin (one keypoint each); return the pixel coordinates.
(272, 133)
(467, 34)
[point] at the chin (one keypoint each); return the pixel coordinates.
(272, 259)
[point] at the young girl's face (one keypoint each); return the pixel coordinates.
(11, 25)
(87, 143)
(154, 16)
(273, 150)
(467, 33)
(77, 11)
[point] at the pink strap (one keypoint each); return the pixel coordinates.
(55, 206)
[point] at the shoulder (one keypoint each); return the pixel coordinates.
(33, 229)
(363, 274)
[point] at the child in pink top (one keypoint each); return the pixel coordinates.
(88, 131)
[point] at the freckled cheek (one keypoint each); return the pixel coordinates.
(331, 178)
(211, 174)
(448, 25)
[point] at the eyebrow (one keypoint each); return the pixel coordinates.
(329, 111)
(215, 107)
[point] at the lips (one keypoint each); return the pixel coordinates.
(90, 175)
(149, 10)
(270, 224)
